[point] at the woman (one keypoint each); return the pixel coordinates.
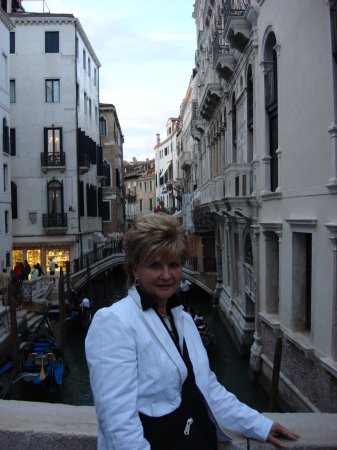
(149, 371)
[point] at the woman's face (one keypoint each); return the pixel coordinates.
(159, 279)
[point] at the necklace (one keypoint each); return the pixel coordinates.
(167, 322)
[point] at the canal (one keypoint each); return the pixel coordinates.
(230, 368)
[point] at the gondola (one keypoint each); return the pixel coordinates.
(79, 316)
(207, 337)
(41, 363)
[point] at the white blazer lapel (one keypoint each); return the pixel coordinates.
(161, 333)
(165, 340)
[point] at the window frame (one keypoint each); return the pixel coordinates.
(84, 59)
(6, 222)
(12, 42)
(12, 91)
(53, 81)
(5, 177)
(52, 46)
(12, 142)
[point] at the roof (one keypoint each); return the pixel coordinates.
(23, 17)
(4, 17)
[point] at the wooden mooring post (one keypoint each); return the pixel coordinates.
(13, 333)
(68, 280)
(276, 374)
(62, 309)
(88, 277)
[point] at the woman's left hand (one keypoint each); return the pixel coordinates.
(278, 430)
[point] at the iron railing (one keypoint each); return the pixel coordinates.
(53, 159)
(235, 8)
(54, 220)
(219, 47)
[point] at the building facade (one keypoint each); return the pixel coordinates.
(264, 119)
(112, 139)
(167, 169)
(57, 159)
(6, 28)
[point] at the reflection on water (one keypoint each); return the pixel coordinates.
(231, 368)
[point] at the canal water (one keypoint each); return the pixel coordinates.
(230, 368)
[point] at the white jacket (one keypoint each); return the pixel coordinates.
(135, 366)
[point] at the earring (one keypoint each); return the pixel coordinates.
(137, 282)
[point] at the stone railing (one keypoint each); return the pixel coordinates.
(54, 426)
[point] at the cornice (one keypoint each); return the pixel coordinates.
(6, 20)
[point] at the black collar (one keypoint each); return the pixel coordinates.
(148, 302)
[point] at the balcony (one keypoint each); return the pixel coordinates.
(83, 163)
(54, 221)
(131, 217)
(238, 180)
(210, 94)
(250, 281)
(185, 160)
(101, 175)
(238, 18)
(53, 160)
(224, 62)
(197, 124)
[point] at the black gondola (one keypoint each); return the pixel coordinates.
(41, 361)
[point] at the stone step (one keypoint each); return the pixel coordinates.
(33, 320)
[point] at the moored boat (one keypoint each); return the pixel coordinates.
(41, 362)
(207, 336)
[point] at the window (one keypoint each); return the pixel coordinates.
(5, 174)
(76, 49)
(140, 205)
(95, 76)
(8, 259)
(96, 114)
(77, 94)
(12, 42)
(140, 185)
(53, 151)
(14, 195)
(150, 208)
(144, 186)
(52, 91)
(102, 126)
(106, 211)
(4, 72)
(150, 185)
(84, 59)
(13, 141)
(12, 91)
(166, 151)
(5, 136)
(89, 67)
(52, 42)
(85, 104)
(55, 198)
(6, 222)
(90, 108)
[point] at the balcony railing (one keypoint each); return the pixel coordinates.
(53, 159)
(250, 281)
(235, 8)
(270, 80)
(219, 47)
(54, 220)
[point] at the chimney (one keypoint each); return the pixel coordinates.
(158, 138)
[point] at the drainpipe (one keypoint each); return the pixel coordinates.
(78, 156)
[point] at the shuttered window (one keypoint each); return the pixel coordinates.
(52, 42)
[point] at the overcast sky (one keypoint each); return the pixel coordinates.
(146, 48)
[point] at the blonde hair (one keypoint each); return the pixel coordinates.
(154, 235)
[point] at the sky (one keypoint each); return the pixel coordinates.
(146, 49)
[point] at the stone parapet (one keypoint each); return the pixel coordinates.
(27, 425)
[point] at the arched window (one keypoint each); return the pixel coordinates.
(55, 197)
(271, 105)
(250, 114)
(234, 135)
(14, 194)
